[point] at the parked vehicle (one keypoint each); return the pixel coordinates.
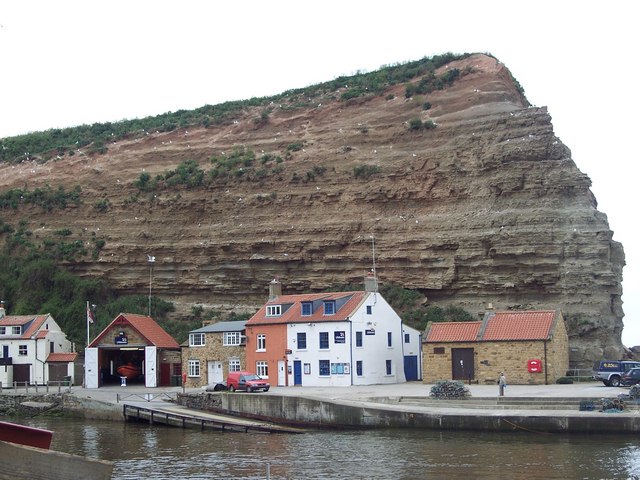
(246, 381)
(610, 372)
(630, 377)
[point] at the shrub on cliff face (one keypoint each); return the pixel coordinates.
(365, 171)
(417, 125)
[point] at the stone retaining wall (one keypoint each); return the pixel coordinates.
(58, 404)
(319, 413)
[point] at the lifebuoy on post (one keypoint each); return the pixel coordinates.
(534, 366)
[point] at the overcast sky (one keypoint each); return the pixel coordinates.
(66, 63)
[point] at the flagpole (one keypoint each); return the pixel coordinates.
(87, 314)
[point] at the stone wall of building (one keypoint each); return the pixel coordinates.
(212, 350)
(510, 357)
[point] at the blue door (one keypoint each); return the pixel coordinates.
(297, 372)
(411, 368)
(5, 351)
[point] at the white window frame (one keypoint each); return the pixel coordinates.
(274, 310)
(231, 339)
(388, 368)
(234, 364)
(3, 330)
(194, 368)
(299, 336)
(16, 330)
(196, 339)
(308, 305)
(23, 350)
(262, 369)
(321, 363)
(320, 336)
(261, 342)
(329, 303)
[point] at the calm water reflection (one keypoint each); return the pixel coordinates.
(141, 451)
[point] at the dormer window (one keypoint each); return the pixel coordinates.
(16, 330)
(329, 307)
(307, 309)
(3, 330)
(274, 310)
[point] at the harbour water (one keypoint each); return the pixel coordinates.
(159, 452)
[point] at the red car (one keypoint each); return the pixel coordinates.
(246, 381)
(630, 377)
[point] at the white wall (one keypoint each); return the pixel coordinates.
(337, 353)
(373, 354)
(375, 351)
(414, 347)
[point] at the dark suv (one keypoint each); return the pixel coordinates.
(630, 377)
(610, 372)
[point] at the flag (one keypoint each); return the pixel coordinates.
(90, 317)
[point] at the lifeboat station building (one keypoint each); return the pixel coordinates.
(133, 349)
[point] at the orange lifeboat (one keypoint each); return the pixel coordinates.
(129, 371)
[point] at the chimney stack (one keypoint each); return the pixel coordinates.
(275, 289)
(2, 310)
(370, 282)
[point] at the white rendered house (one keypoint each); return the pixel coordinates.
(33, 349)
(330, 339)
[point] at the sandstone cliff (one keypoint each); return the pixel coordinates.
(488, 207)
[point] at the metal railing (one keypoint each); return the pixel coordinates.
(51, 384)
(147, 397)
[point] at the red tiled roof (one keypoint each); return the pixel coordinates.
(292, 310)
(62, 357)
(42, 334)
(22, 320)
(526, 325)
(453, 332)
(15, 320)
(146, 326)
(499, 326)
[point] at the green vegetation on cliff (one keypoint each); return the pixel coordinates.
(54, 143)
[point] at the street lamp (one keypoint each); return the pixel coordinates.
(151, 259)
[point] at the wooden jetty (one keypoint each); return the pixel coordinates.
(183, 417)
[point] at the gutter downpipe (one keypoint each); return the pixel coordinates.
(351, 350)
(38, 360)
(546, 378)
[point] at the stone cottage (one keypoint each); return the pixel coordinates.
(530, 347)
(212, 352)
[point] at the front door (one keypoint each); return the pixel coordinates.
(214, 372)
(462, 365)
(411, 367)
(297, 372)
(5, 351)
(165, 374)
(281, 375)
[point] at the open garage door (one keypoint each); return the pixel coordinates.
(150, 370)
(91, 367)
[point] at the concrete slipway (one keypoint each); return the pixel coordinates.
(534, 408)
